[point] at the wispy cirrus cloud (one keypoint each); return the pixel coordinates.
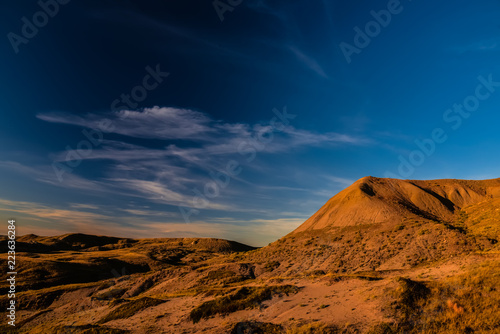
(73, 220)
(84, 206)
(195, 145)
(491, 44)
(44, 219)
(183, 124)
(45, 174)
(339, 180)
(152, 123)
(308, 61)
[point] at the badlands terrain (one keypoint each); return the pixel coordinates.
(382, 256)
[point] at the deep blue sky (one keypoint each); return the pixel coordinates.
(351, 119)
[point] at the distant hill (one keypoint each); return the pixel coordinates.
(80, 258)
(80, 241)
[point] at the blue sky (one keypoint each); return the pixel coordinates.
(238, 128)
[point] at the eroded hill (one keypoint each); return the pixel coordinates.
(373, 200)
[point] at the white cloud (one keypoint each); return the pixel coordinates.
(153, 123)
(209, 137)
(170, 174)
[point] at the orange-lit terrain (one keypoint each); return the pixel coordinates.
(382, 256)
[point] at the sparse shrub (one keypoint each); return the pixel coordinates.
(382, 328)
(87, 329)
(129, 309)
(276, 279)
(255, 327)
(105, 285)
(408, 295)
(423, 231)
(221, 276)
(110, 294)
(244, 298)
(270, 266)
(314, 328)
(469, 303)
(315, 273)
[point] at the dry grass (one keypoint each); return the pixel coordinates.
(319, 327)
(130, 308)
(255, 327)
(408, 295)
(469, 303)
(223, 277)
(43, 298)
(87, 329)
(244, 298)
(382, 328)
(313, 328)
